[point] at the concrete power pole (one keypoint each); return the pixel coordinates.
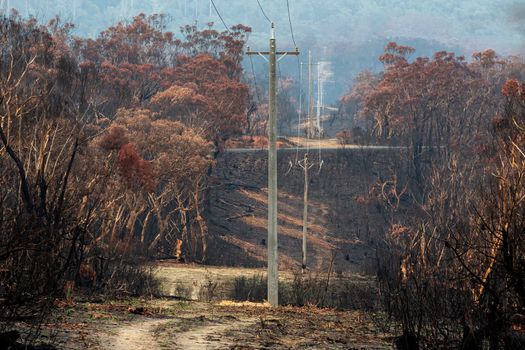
(318, 119)
(311, 128)
(304, 163)
(74, 10)
(305, 211)
(310, 95)
(273, 270)
(5, 7)
(196, 4)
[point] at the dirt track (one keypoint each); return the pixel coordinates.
(170, 323)
(176, 325)
(178, 333)
(137, 335)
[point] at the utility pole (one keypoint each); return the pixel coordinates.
(311, 129)
(305, 165)
(318, 126)
(323, 76)
(273, 269)
(310, 94)
(74, 10)
(6, 7)
(196, 4)
(305, 211)
(300, 97)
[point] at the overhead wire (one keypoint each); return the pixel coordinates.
(259, 100)
(300, 112)
(219, 14)
(292, 32)
(299, 71)
(255, 81)
(290, 21)
(256, 87)
(299, 68)
(263, 12)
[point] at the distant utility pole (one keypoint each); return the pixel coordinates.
(131, 9)
(273, 270)
(319, 98)
(4, 4)
(310, 94)
(305, 165)
(324, 75)
(74, 10)
(311, 129)
(196, 4)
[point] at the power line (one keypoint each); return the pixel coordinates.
(300, 91)
(262, 10)
(254, 75)
(299, 70)
(259, 101)
(218, 14)
(290, 21)
(257, 94)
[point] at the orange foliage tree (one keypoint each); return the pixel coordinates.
(454, 246)
(196, 79)
(106, 147)
(162, 165)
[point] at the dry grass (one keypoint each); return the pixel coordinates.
(257, 142)
(316, 143)
(169, 323)
(242, 304)
(225, 324)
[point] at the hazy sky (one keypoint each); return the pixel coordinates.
(471, 24)
(349, 33)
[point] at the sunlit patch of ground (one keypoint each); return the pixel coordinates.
(195, 281)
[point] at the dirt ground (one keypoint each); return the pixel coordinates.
(171, 324)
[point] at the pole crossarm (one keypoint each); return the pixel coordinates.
(278, 53)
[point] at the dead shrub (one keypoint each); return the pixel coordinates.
(249, 289)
